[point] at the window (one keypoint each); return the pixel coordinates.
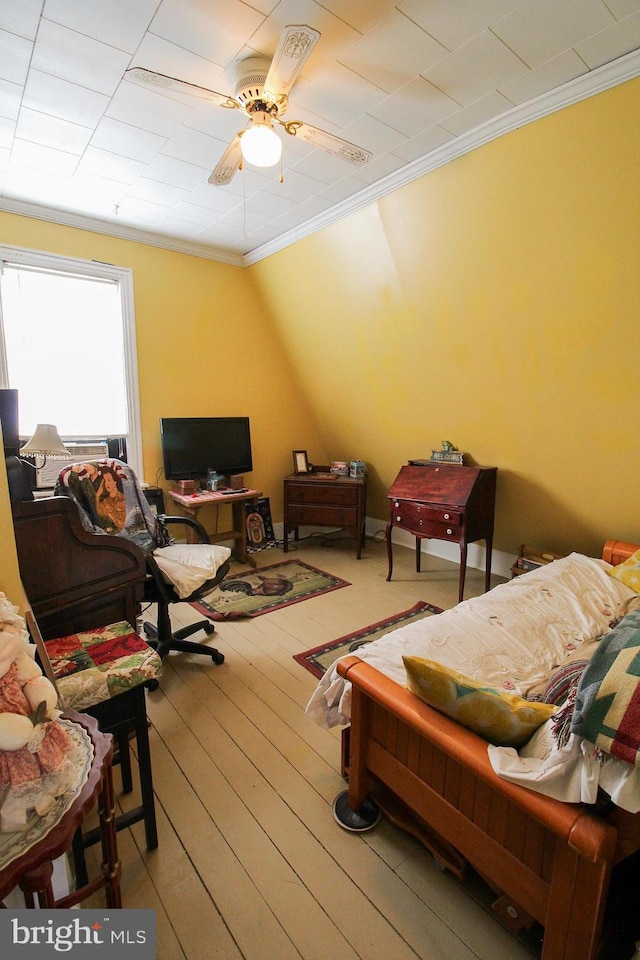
(67, 344)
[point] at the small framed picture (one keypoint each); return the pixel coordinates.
(300, 462)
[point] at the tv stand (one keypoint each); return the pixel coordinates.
(192, 503)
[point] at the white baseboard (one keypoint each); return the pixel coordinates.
(501, 562)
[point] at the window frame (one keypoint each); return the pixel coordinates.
(123, 276)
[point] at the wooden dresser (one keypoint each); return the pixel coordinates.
(444, 502)
(322, 499)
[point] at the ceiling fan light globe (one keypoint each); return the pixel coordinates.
(261, 146)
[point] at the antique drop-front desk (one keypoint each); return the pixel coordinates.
(444, 502)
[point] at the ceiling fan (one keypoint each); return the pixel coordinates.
(262, 93)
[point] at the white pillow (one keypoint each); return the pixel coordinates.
(186, 566)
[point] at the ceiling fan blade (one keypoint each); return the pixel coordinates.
(228, 164)
(149, 78)
(328, 141)
(296, 43)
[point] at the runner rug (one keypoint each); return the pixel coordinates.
(254, 592)
(319, 659)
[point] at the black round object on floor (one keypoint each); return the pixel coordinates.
(356, 821)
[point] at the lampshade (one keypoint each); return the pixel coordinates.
(260, 144)
(46, 442)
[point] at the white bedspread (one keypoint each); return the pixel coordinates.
(507, 638)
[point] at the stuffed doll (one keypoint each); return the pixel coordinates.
(35, 749)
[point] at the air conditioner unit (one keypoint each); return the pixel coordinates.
(48, 474)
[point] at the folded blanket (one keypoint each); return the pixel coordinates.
(607, 709)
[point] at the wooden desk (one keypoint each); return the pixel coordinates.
(32, 869)
(444, 502)
(193, 503)
(325, 500)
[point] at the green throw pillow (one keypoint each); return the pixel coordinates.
(504, 719)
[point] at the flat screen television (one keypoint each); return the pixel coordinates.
(193, 445)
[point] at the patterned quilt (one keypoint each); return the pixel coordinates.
(607, 709)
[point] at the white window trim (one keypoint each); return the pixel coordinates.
(124, 278)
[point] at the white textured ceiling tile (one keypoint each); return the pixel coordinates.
(341, 190)
(38, 186)
(144, 108)
(155, 192)
(63, 99)
(567, 66)
(339, 95)
(120, 23)
(176, 172)
(53, 132)
(479, 112)
(71, 56)
(424, 143)
(245, 219)
(10, 96)
(295, 187)
(216, 121)
(623, 8)
(270, 204)
(157, 53)
(93, 185)
(361, 14)
(4, 166)
(193, 214)
(377, 169)
(475, 69)
(47, 159)
(218, 199)
(455, 23)
(15, 54)
(393, 52)
(541, 29)
(20, 17)
(248, 181)
(110, 165)
(7, 132)
(314, 207)
(614, 42)
(416, 106)
(194, 147)
(172, 227)
(128, 141)
(214, 31)
(373, 135)
(142, 209)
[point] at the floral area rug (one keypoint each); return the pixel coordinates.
(319, 659)
(254, 592)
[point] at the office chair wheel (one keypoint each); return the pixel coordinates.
(217, 658)
(209, 627)
(152, 685)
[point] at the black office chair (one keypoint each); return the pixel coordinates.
(111, 502)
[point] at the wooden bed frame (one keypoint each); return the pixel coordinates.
(433, 777)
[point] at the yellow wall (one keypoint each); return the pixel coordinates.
(204, 349)
(493, 303)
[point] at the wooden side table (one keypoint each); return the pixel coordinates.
(444, 502)
(325, 500)
(193, 503)
(32, 869)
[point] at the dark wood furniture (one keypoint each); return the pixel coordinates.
(193, 503)
(76, 581)
(550, 860)
(444, 502)
(323, 499)
(32, 870)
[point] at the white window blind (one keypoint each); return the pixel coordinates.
(67, 343)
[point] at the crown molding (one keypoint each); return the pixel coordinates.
(594, 82)
(111, 229)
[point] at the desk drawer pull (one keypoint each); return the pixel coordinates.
(449, 531)
(446, 516)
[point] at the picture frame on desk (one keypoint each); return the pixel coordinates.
(300, 461)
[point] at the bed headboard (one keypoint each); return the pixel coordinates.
(616, 551)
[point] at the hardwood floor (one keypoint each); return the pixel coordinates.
(250, 862)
